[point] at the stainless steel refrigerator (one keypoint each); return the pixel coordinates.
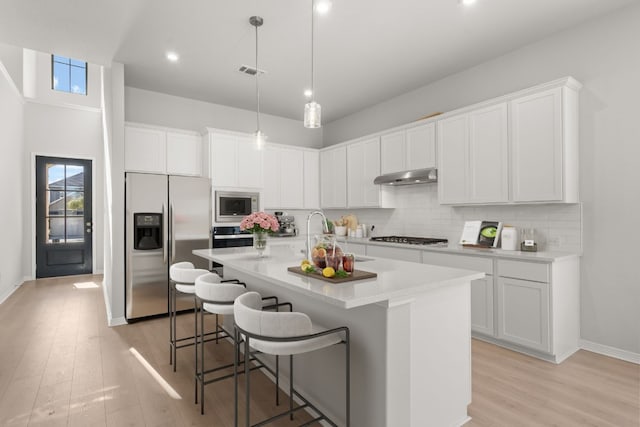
(166, 218)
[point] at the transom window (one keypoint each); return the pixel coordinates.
(68, 75)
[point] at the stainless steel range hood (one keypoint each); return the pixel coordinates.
(417, 176)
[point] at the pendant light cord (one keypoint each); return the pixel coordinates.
(257, 86)
(313, 90)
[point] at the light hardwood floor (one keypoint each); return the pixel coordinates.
(61, 365)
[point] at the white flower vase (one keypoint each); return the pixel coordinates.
(260, 242)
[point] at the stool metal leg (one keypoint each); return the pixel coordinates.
(170, 326)
(291, 386)
(195, 342)
(173, 309)
(247, 374)
(277, 380)
(347, 350)
(236, 360)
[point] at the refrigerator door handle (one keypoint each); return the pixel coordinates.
(166, 241)
(173, 231)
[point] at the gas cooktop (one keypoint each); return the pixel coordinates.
(410, 240)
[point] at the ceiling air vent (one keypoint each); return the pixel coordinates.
(246, 69)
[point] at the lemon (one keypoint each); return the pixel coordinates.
(328, 272)
(305, 261)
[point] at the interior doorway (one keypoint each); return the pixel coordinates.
(64, 221)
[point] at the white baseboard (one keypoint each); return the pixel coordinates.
(111, 321)
(10, 292)
(116, 321)
(614, 352)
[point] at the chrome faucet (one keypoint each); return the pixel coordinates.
(325, 227)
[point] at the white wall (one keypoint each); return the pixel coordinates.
(65, 132)
(113, 137)
(600, 54)
(37, 83)
(155, 108)
(12, 164)
(11, 58)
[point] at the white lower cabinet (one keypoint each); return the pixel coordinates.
(356, 248)
(532, 307)
(482, 305)
(523, 313)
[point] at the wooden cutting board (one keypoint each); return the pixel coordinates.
(356, 275)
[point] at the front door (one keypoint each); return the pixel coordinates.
(63, 217)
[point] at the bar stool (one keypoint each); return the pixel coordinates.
(283, 334)
(215, 296)
(182, 277)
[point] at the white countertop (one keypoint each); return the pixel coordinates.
(453, 248)
(396, 279)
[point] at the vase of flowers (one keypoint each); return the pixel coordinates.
(260, 224)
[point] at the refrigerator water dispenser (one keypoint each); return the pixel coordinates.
(147, 231)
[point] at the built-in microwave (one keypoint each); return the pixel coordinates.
(232, 206)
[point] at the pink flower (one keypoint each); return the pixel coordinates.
(259, 222)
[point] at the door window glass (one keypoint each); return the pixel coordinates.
(65, 203)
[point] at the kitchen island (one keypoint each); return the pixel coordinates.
(410, 335)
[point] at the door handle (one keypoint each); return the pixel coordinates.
(165, 240)
(173, 232)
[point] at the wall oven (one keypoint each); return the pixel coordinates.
(232, 206)
(228, 237)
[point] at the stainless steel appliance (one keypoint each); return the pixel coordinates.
(166, 218)
(232, 206)
(417, 176)
(287, 225)
(410, 240)
(228, 237)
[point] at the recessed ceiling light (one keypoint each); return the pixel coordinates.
(467, 2)
(172, 56)
(323, 6)
(308, 93)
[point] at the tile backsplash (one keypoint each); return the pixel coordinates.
(417, 213)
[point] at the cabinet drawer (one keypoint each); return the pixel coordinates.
(534, 271)
(458, 261)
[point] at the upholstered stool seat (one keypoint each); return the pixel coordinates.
(283, 334)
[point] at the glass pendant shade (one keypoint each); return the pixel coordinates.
(260, 139)
(312, 115)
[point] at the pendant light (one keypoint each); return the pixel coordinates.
(260, 137)
(312, 110)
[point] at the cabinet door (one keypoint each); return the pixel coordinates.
(482, 305)
(356, 248)
(224, 160)
(249, 163)
(333, 178)
(144, 150)
(291, 179)
(271, 192)
(523, 313)
(453, 139)
(536, 147)
(311, 179)
(421, 147)
(488, 155)
(393, 152)
(184, 154)
(363, 166)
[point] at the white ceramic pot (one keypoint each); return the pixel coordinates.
(341, 230)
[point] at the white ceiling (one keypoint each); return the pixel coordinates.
(367, 51)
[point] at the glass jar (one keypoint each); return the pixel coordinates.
(324, 244)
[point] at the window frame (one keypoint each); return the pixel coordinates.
(86, 74)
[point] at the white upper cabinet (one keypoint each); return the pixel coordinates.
(520, 148)
(488, 155)
(393, 150)
(161, 150)
(363, 166)
(474, 161)
(544, 146)
(453, 137)
(311, 179)
(184, 154)
(234, 161)
(408, 149)
(283, 178)
(333, 177)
